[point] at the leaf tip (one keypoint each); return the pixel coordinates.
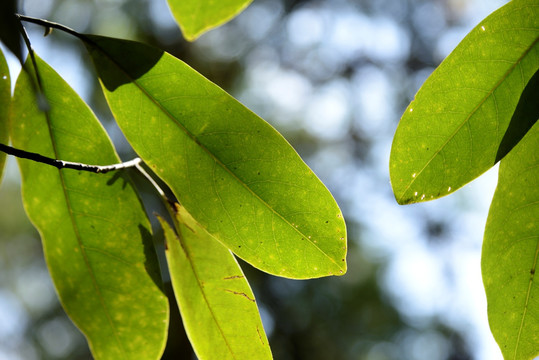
(343, 269)
(402, 200)
(192, 36)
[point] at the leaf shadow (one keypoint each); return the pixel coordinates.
(9, 28)
(151, 263)
(118, 61)
(119, 175)
(525, 116)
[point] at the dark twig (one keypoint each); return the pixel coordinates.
(38, 87)
(61, 164)
(50, 25)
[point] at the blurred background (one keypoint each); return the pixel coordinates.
(333, 76)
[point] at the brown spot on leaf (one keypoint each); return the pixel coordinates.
(260, 336)
(241, 294)
(234, 277)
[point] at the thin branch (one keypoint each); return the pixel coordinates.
(42, 102)
(51, 25)
(61, 164)
(30, 51)
(168, 202)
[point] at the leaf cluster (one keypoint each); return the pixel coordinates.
(243, 190)
(478, 108)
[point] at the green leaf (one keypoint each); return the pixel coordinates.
(231, 170)
(217, 305)
(195, 17)
(450, 133)
(5, 100)
(511, 250)
(95, 232)
(9, 27)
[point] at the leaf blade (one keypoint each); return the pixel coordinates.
(510, 252)
(95, 233)
(5, 101)
(195, 17)
(233, 172)
(218, 308)
(450, 133)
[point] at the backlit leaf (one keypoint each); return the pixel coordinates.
(511, 250)
(231, 170)
(451, 132)
(95, 233)
(5, 99)
(195, 17)
(217, 305)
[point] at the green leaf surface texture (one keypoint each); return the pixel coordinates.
(451, 132)
(510, 252)
(231, 170)
(195, 17)
(217, 305)
(5, 100)
(96, 236)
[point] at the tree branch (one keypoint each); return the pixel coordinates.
(61, 164)
(42, 102)
(50, 25)
(169, 203)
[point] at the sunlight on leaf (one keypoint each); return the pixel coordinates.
(450, 133)
(195, 17)
(231, 170)
(5, 99)
(96, 236)
(217, 305)
(511, 250)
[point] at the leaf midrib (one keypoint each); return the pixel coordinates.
(467, 119)
(204, 148)
(524, 313)
(201, 288)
